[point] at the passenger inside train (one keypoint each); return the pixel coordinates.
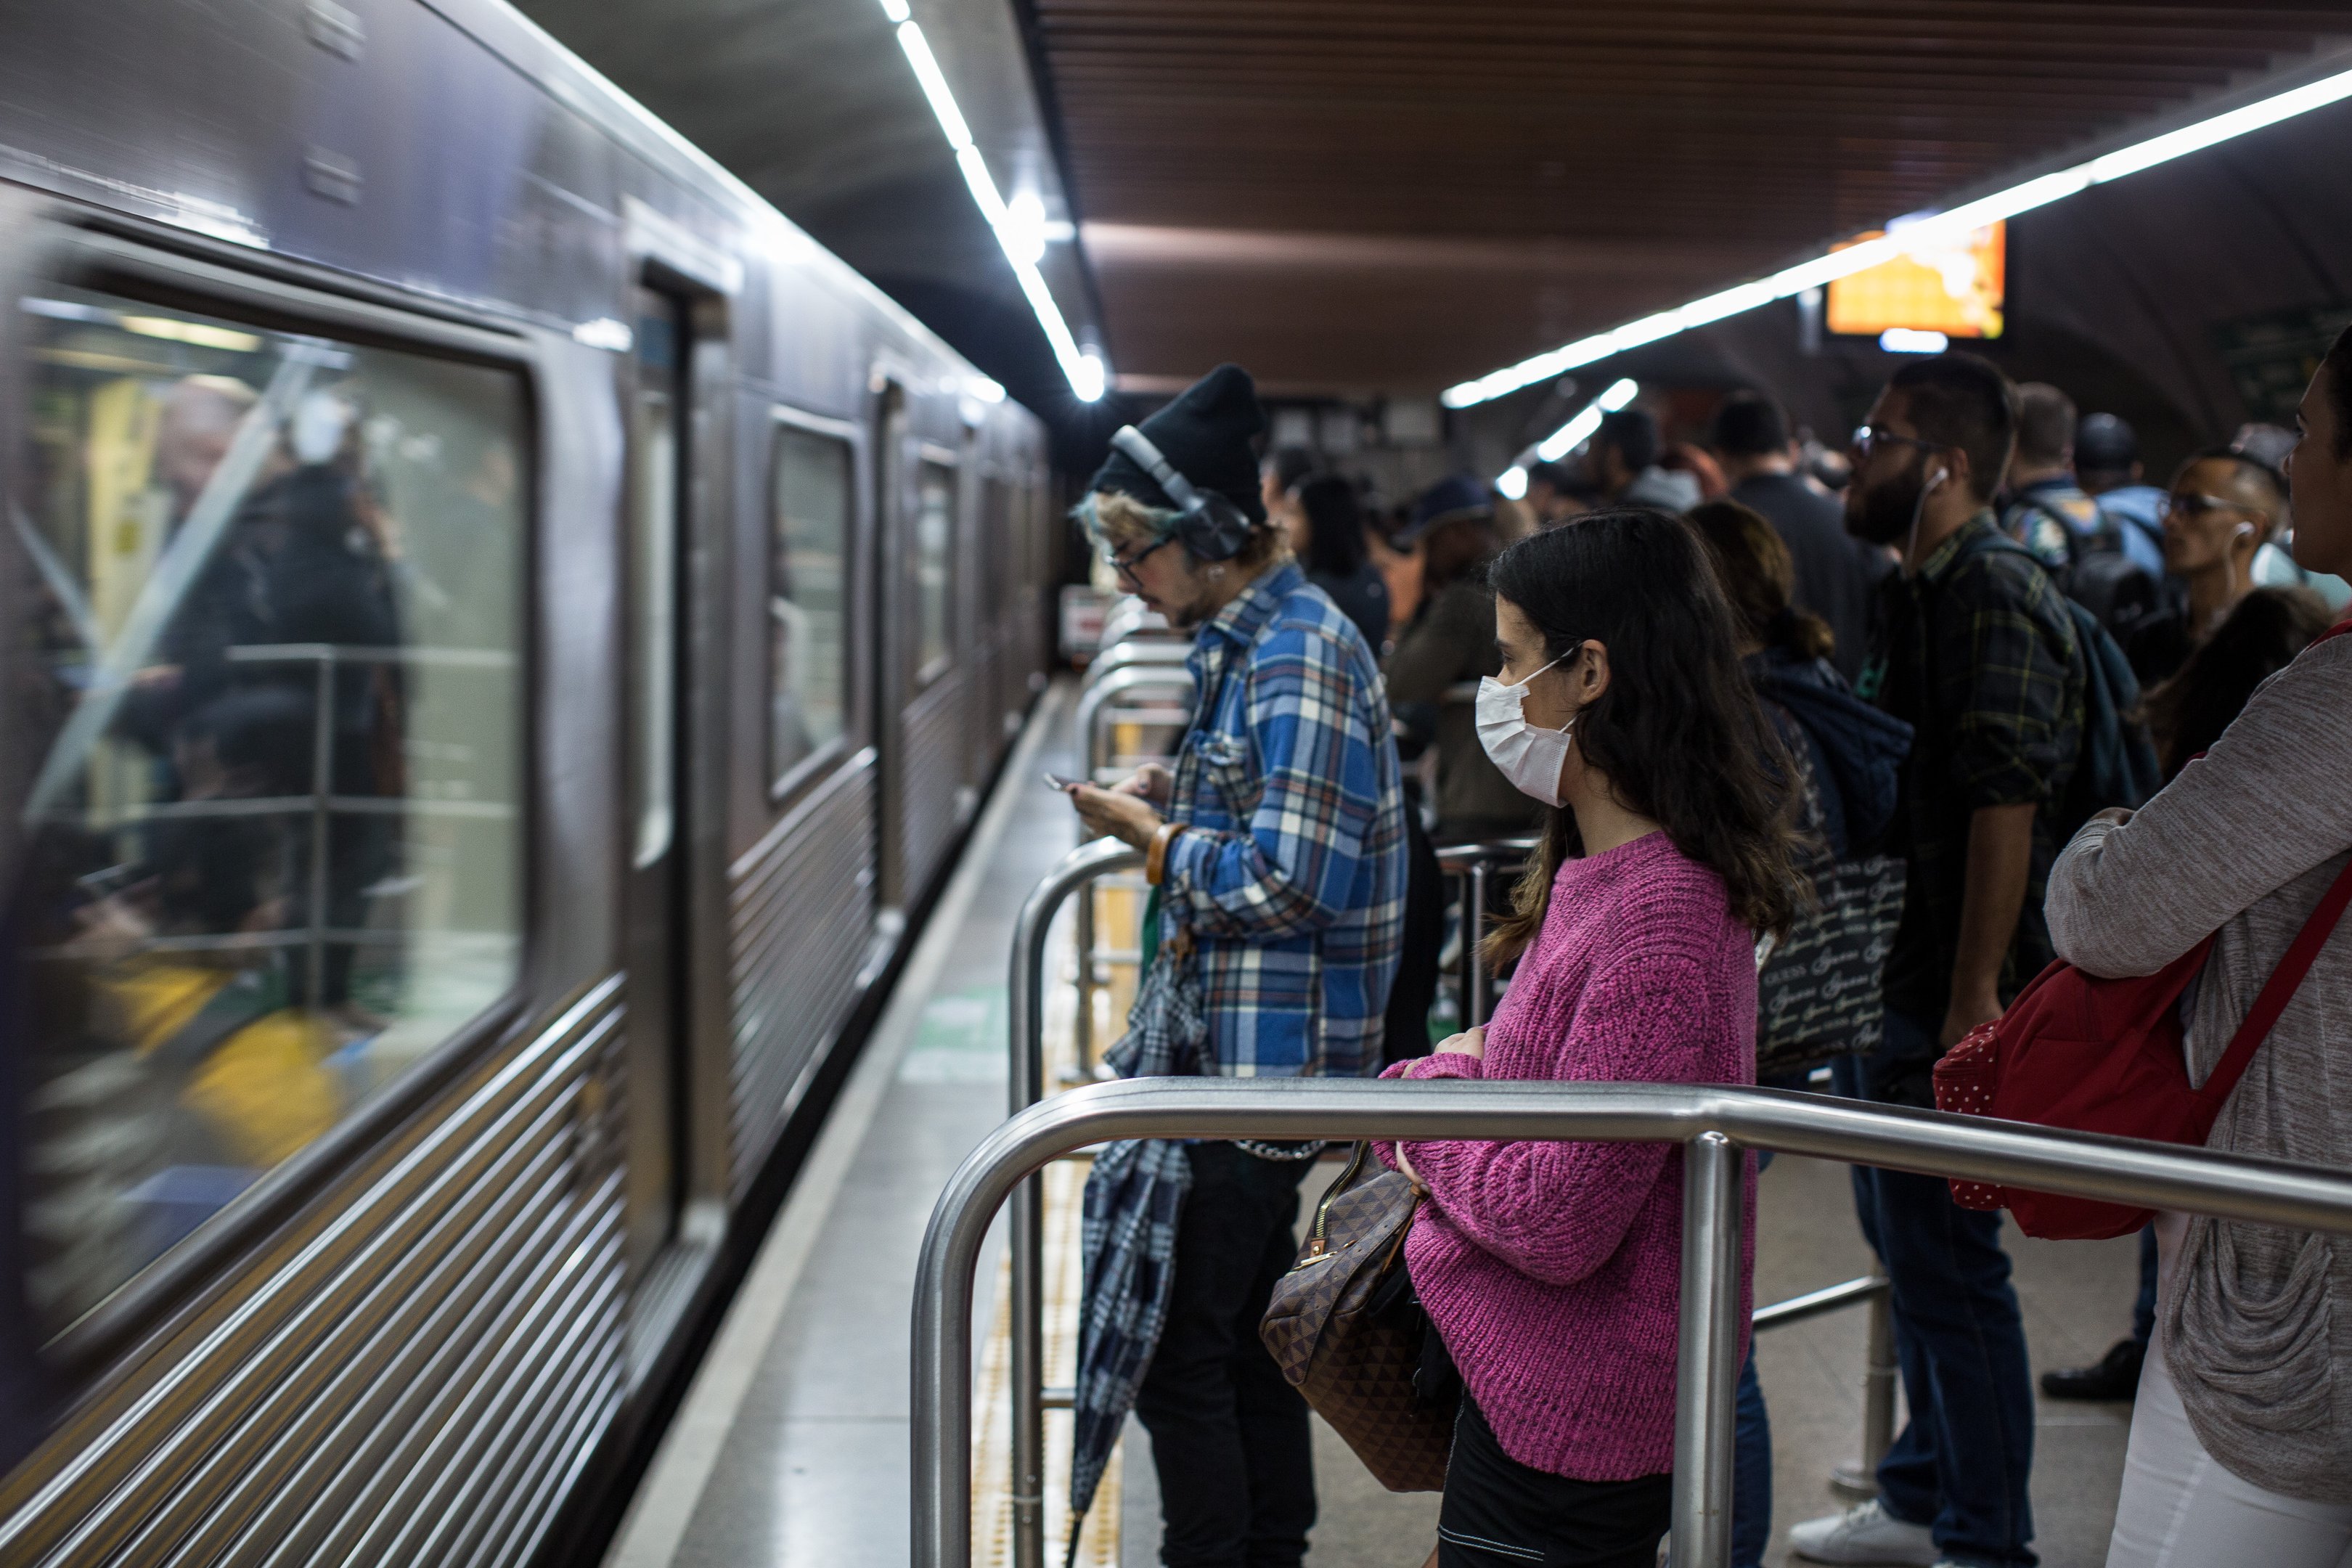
(1687, 662)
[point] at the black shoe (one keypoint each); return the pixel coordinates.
(2115, 1376)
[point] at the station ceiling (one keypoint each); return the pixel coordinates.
(1387, 196)
(1396, 194)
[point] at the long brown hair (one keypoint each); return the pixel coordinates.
(1753, 567)
(1678, 733)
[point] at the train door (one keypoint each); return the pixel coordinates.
(658, 913)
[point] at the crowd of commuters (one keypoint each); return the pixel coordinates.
(1710, 685)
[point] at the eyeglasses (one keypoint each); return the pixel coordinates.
(1125, 565)
(1868, 438)
(2190, 506)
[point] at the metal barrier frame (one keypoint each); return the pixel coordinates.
(1136, 652)
(1102, 695)
(1713, 1124)
(1475, 865)
(1025, 1079)
(1025, 1017)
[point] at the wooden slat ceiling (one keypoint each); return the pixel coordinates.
(1357, 195)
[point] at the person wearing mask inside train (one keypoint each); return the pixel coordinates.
(2241, 1448)
(2223, 506)
(1551, 1271)
(1623, 462)
(1977, 652)
(1277, 847)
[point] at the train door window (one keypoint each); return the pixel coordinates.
(812, 492)
(935, 531)
(274, 849)
(652, 568)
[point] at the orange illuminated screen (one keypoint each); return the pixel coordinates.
(1959, 289)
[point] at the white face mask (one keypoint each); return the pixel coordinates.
(1530, 757)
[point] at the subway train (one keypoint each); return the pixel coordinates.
(503, 633)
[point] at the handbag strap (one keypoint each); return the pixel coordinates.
(2278, 992)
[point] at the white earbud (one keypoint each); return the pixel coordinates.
(2244, 530)
(1940, 476)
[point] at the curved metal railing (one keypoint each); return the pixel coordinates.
(1713, 1124)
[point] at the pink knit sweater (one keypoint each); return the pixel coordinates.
(1554, 1269)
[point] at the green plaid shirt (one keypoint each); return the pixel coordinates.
(1977, 652)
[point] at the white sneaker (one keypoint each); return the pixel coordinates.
(1865, 1534)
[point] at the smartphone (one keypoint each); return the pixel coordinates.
(1056, 782)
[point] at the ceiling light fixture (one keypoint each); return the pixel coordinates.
(1903, 233)
(1912, 341)
(1513, 481)
(1020, 225)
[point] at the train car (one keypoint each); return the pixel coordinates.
(503, 630)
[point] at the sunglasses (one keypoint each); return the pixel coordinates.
(2190, 506)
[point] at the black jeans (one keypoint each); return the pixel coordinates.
(1228, 1437)
(1500, 1513)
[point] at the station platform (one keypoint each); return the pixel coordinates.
(791, 1446)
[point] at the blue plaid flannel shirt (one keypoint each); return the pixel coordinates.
(1291, 875)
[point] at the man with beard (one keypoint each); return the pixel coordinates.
(1978, 653)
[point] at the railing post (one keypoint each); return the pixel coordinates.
(1025, 1084)
(1878, 1388)
(1083, 1024)
(1481, 999)
(1707, 1359)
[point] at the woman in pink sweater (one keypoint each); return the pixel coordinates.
(1552, 1270)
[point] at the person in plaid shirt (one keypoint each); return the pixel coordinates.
(1277, 845)
(1977, 651)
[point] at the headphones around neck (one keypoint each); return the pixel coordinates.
(1208, 522)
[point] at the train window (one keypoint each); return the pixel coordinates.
(808, 598)
(935, 509)
(275, 850)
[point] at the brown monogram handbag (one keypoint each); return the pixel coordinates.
(1345, 1329)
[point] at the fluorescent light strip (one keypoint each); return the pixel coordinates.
(1977, 214)
(1513, 481)
(1017, 234)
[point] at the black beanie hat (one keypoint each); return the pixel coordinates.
(1205, 435)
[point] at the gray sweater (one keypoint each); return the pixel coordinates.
(2256, 1322)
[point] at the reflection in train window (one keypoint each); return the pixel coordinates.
(274, 850)
(934, 567)
(808, 599)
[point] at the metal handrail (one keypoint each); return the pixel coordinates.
(1100, 698)
(1026, 1019)
(1713, 1123)
(1076, 874)
(1126, 618)
(1476, 863)
(1133, 653)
